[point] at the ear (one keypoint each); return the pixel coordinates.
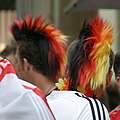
(26, 65)
(108, 79)
(118, 81)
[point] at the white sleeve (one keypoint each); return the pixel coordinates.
(28, 106)
(41, 110)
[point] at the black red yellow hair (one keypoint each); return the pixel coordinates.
(89, 64)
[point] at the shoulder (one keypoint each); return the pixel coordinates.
(25, 103)
(29, 86)
(65, 103)
(37, 99)
(37, 107)
(78, 103)
(65, 95)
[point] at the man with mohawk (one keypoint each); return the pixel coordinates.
(90, 59)
(40, 59)
(40, 54)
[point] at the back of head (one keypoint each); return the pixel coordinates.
(117, 65)
(41, 44)
(90, 58)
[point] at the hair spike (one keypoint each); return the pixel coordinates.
(102, 34)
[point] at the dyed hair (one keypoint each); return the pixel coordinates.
(41, 44)
(90, 58)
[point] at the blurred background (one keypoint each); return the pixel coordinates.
(68, 16)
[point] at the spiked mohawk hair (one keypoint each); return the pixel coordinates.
(89, 61)
(41, 44)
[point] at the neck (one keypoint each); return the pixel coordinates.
(46, 84)
(50, 89)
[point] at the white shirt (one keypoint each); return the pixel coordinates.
(16, 102)
(71, 105)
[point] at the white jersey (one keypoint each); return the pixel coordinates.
(17, 102)
(71, 105)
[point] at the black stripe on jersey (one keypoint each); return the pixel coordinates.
(78, 95)
(92, 108)
(98, 109)
(103, 111)
(91, 105)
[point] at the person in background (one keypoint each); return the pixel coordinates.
(115, 113)
(20, 101)
(113, 96)
(91, 52)
(9, 52)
